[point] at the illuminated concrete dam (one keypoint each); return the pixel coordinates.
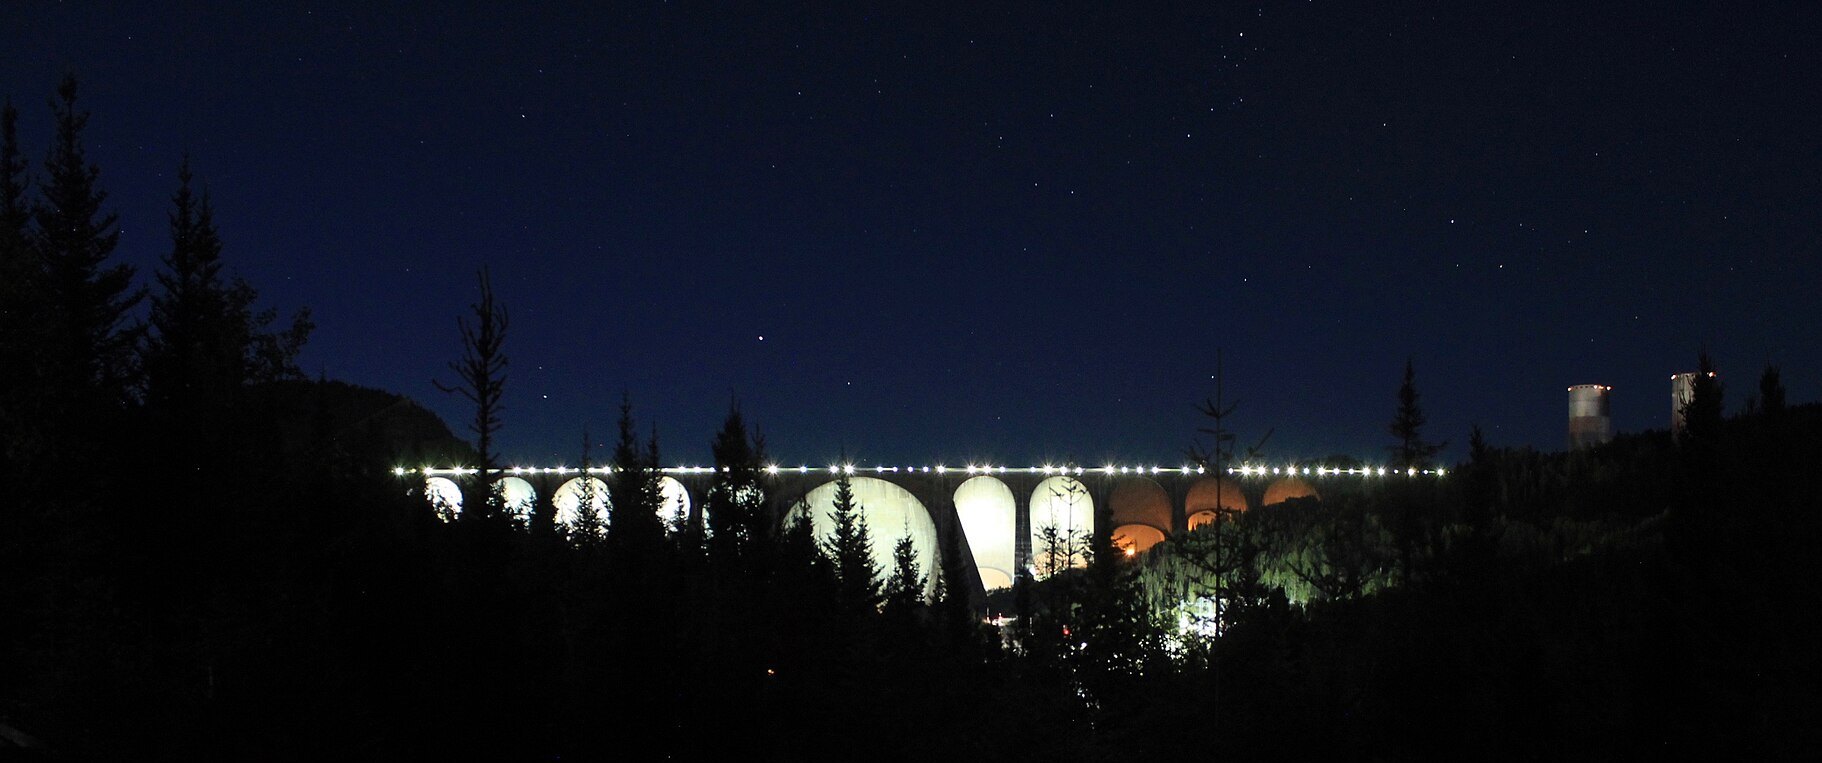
(993, 515)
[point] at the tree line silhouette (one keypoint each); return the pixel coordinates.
(203, 554)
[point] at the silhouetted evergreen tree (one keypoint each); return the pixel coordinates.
(1411, 451)
(21, 304)
(1771, 392)
(737, 519)
(636, 532)
(587, 528)
(15, 209)
(195, 352)
(26, 569)
(652, 489)
(904, 591)
(481, 379)
(205, 340)
(797, 538)
(88, 299)
(850, 549)
(958, 624)
(1410, 514)
(1117, 639)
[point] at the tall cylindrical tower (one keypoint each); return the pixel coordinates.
(1590, 417)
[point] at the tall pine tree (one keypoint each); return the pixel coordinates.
(636, 532)
(586, 527)
(1411, 451)
(850, 548)
(21, 309)
(737, 522)
(196, 349)
(1771, 392)
(89, 298)
(904, 594)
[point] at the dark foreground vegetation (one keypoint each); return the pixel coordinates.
(204, 555)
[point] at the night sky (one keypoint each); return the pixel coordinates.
(1014, 235)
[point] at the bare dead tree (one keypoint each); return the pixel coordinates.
(481, 379)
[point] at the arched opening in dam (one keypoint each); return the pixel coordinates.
(1139, 502)
(1062, 525)
(1136, 538)
(1208, 495)
(675, 510)
(519, 497)
(568, 501)
(444, 495)
(892, 513)
(989, 516)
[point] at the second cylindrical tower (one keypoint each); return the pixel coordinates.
(1590, 420)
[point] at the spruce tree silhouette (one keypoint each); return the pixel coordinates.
(204, 340)
(736, 521)
(22, 336)
(850, 548)
(636, 533)
(1771, 392)
(89, 299)
(1410, 451)
(904, 590)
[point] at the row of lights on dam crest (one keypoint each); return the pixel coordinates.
(971, 469)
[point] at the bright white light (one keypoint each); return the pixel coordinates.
(398, 471)
(1047, 469)
(771, 469)
(1198, 469)
(941, 469)
(803, 470)
(1439, 472)
(1382, 471)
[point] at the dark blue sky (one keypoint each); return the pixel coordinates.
(1011, 235)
